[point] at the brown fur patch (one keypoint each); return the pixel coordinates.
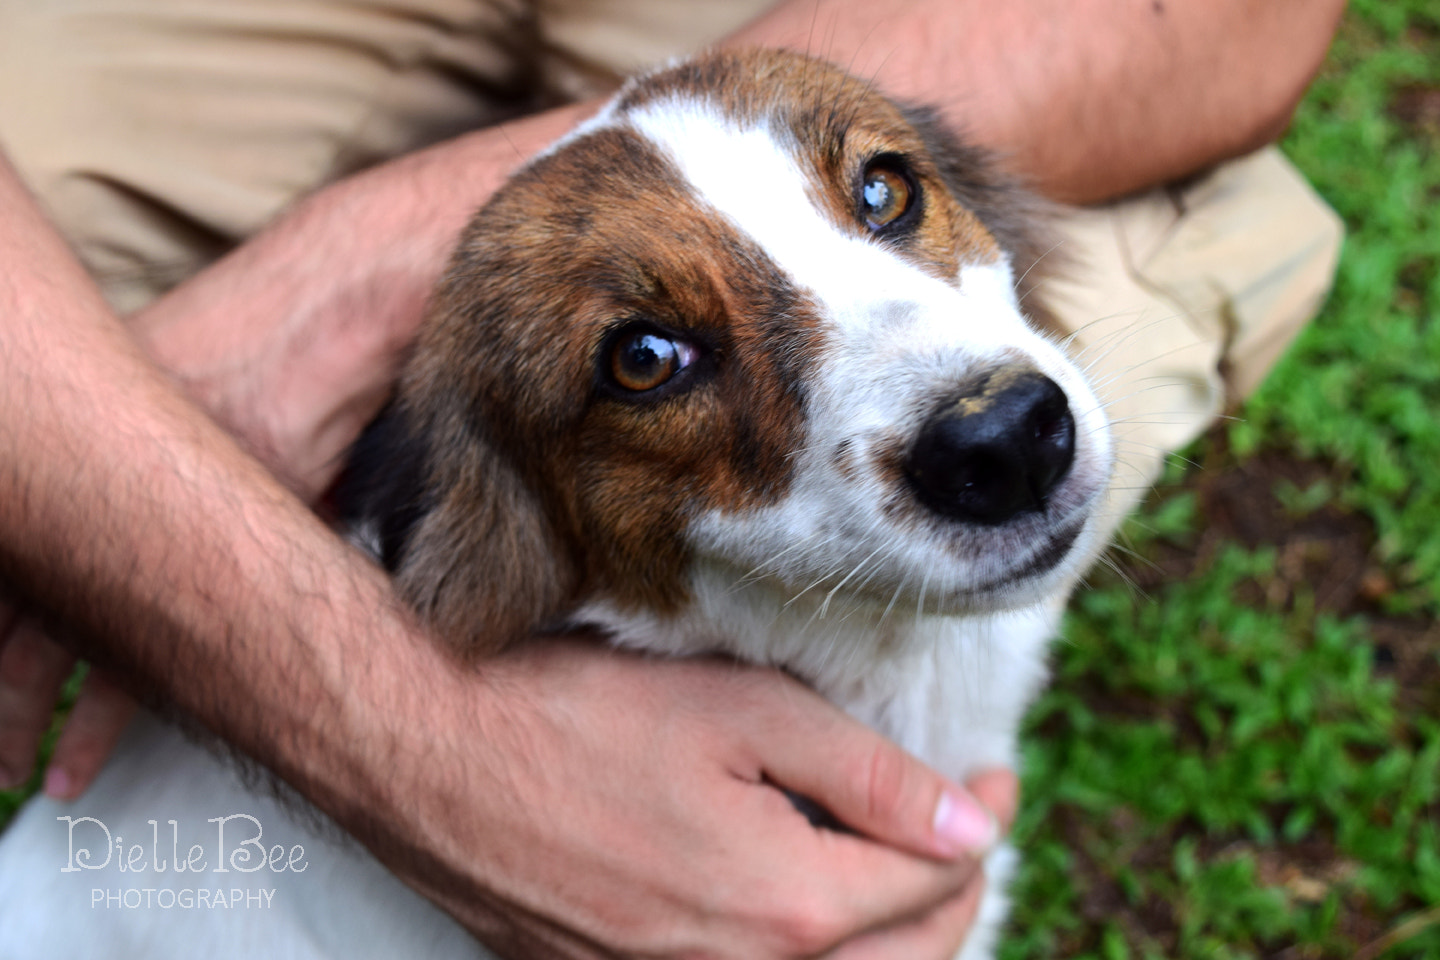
(507, 384)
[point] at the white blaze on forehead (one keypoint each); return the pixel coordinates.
(746, 174)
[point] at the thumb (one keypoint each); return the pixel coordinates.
(999, 790)
(874, 787)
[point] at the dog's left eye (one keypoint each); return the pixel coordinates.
(643, 359)
(885, 193)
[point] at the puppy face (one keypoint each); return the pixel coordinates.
(751, 317)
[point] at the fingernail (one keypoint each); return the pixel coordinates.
(962, 825)
(57, 784)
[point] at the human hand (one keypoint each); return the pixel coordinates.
(292, 342)
(33, 668)
(578, 802)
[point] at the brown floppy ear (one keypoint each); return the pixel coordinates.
(467, 542)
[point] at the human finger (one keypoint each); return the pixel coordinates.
(32, 670)
(998, 789)
(937, 934)
(873, 786)
(101, 713)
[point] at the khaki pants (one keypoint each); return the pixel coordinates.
(160, 133)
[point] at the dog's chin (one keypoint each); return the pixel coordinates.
(1030, 559)
(1041, 558)
(1038, 572)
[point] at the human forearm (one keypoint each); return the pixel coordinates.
(124, 510)
(1088, 99)
(179, 561)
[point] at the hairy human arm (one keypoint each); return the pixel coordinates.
(1089, 99)
(290, 344)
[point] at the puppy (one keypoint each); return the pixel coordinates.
(739, 366)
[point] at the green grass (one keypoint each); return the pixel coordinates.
(1363, 386)
(1230, 765)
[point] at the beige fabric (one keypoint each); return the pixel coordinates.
(587, 41)
(1179, 301)
(161, 132)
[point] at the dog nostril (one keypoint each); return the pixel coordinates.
(990, 456)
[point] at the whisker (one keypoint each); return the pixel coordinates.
(856, 602)
(893, 597)
(1053, 247)
(920, 602)
(752, 575)
(1116, 338)
(835, 568)
(1069, 338)
(825, 605)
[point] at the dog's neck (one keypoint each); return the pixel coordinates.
(949, 688)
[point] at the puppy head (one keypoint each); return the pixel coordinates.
(752, 317)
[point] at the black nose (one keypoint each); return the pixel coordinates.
(996, 452)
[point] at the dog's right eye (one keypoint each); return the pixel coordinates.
(643, 359)
(887, 193)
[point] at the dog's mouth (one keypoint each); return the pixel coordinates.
(1046, 556)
